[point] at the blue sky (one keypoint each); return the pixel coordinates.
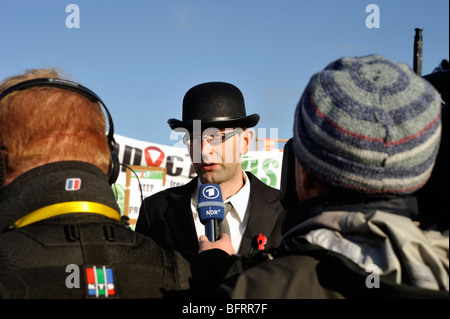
(141, 57)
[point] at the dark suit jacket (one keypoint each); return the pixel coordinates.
(167, 217)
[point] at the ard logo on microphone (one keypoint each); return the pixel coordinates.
(211, 192)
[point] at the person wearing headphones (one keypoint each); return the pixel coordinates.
(61, 234)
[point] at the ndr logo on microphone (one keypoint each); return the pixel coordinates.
(211, 192)
(212, 212)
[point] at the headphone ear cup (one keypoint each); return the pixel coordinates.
(114, 169)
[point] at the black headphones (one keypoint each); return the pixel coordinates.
(78, 88)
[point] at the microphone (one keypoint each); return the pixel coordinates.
(211, 209)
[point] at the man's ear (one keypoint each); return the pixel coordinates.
(300, 181)
(246, 140)
(308, 186)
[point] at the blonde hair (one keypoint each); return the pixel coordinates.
(44, 124)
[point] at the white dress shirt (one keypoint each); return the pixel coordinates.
(238, 217)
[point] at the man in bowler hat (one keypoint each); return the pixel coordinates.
(217, 134)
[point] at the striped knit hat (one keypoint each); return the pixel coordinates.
(368, 124)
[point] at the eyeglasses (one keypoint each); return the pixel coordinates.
(213, 139)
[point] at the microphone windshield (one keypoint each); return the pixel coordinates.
(210, 204)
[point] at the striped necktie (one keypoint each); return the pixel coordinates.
(223, 226)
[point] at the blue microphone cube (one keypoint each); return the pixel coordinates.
(210, 204)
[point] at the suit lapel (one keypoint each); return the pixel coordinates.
(180, 221)
(262, 216)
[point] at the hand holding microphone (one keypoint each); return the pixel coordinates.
(223, 243)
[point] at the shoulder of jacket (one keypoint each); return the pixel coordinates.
(270, 194)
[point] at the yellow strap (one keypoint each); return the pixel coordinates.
(67, 208)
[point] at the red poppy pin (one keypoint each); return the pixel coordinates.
(262, 241)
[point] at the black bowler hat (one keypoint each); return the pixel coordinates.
(216, 104)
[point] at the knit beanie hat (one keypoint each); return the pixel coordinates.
(368, 124)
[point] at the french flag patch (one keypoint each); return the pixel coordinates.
(73, 184)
